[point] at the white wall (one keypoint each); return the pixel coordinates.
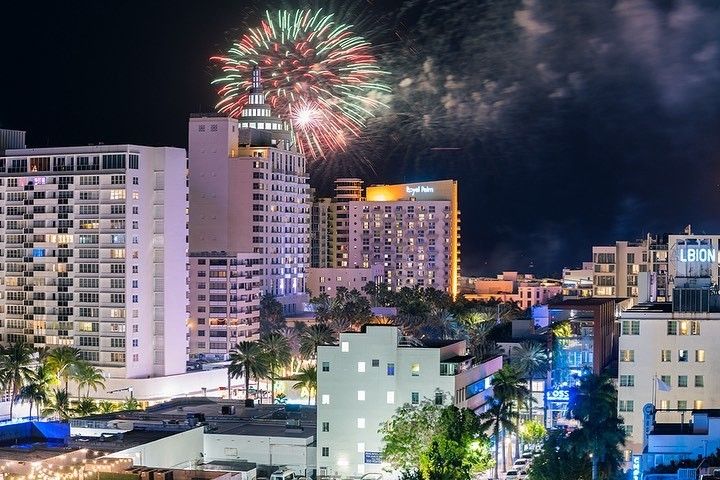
(280, 451)
(176, 451)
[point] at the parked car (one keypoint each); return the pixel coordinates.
(521, 463)
(372, 476)
(283, 475)
(512, 475)
(522, 474)
(528, 455)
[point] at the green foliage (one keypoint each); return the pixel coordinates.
(272, 317)
(435, 442)
(314, 336)
(277, 352)
(15, 368)
(559, 460)
(107, 407)
(532, 432)
(248, 359)
(62, 360)
(86, 406)
(58, 405)
(307, 380)
(130, 404)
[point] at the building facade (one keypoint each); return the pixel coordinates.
(249, 195)
(364, 379)
(667, 348)
(228, 293)
(327, 280)
(94, 242)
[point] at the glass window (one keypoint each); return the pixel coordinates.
(700, 356)
(325, 399)
(361, 395)
(627, 380)
(699, 381)
(439, 398)
(666, 355)
(415, 398)
(360, 423)
(325, 451)
(698, 404)
(683, 355)
(415, 369)
(325, 426)
(345, 346)
(627, 355)
(390, 397)
(672, 327)
(325, 366)
(664, 404)
(682, 381)
(682, 404)
(626, 405)
(375, 362)
(666, 379)
(391, 369)
(361, 367)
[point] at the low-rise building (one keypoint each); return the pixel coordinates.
(522, 288)
(369, 374)
(327, 280)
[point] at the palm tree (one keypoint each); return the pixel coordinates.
(480, 338)
(531, 360)
(62, 360)
(130, 403)
(322, 305)
(314, 336)
(86, 406)
(509, 387)
(497, 418)
(106, 407)
(15, 368)
(278, 354)
(593, 405)
(33, 392)
(307, 379)
(444, 324)
(88, 376)
(58, 404)
(248, 359)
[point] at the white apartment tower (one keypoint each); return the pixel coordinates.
(363, 380)
(93, 243)
(249, 199)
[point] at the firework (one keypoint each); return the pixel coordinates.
(318, 75)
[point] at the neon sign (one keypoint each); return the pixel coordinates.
(558, 395)
(636, 467)
(419, 189)
(697, 254)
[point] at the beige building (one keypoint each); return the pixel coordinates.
(327, 280)
(249, 198)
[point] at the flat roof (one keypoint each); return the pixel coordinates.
(583, 302)
(655, 307)
(265, 429)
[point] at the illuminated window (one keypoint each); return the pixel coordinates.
(390, 397)
(325, 399)
(361, 447)
(698, 404)
(700, 355)
(345, 346)
(666, 355)
(361, 395)
(361, 367)
(117, 194)
(627, 355)
(664, 404)
(360, 423)
(415, 369)
(117, 253)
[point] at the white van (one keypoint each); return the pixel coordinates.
(283, 475)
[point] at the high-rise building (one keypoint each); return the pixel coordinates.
(10, 139)
(249, 199)
(412, 230)
(369, 374)
(94, 241)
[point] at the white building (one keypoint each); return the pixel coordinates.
(673, 342)
(364, 379)
(95, 241)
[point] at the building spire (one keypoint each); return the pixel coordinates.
(256, 81)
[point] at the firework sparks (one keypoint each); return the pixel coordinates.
(319, 76)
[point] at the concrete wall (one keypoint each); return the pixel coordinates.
(176, 451)
(293, 453)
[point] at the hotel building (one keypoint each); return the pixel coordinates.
(672, 342)
(364, 379)
(249, 201)
(93, 243)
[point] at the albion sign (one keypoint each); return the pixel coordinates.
(697, 254)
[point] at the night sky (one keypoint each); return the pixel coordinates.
(567, 123)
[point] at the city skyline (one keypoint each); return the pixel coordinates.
(620, 139)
